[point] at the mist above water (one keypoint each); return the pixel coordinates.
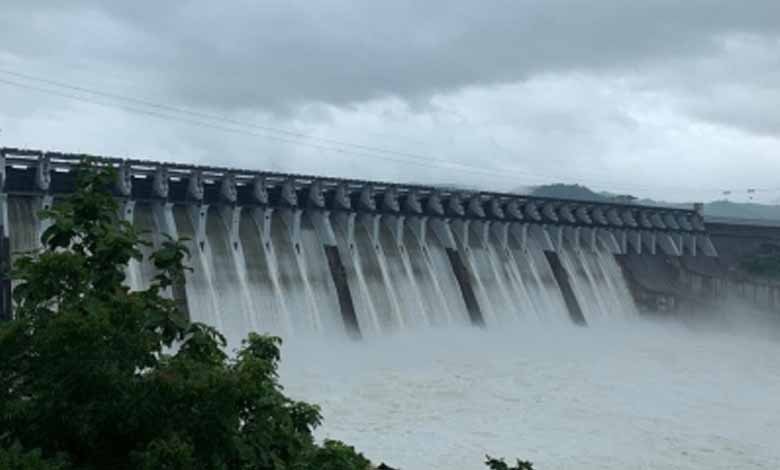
(633, 394)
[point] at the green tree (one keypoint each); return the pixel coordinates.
(16, 458)
(95, 376)
(765, 262)
(500, 464)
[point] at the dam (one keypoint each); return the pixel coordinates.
(472, 306)
(299, 255)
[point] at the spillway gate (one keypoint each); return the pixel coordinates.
(292, 253)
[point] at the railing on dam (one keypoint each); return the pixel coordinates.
(354, 230)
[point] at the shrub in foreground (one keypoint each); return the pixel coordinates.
(95, 376)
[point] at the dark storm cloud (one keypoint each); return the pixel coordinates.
(495, 94)
(277, 55)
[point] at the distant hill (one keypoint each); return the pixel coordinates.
(569, 191)
(740, 210)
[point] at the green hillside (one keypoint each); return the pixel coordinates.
(741, 210)
(569, 191)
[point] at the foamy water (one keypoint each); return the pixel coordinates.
(630, 396)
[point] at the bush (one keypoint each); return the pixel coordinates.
(500, 464)
(16, 458)
(95, 376)
(101, 377)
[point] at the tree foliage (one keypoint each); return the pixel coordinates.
(96, 376)
(765, 262)
(500, 464)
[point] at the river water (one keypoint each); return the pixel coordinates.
(629, 395)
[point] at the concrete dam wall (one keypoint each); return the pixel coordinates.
(664, 283)
(302, 255)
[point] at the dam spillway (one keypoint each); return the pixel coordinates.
(300, 255)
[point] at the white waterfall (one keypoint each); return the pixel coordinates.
(598, 284)
(512, 308)
(549, 303)
(22, 221)
(432, 296)
(376, 277)
(619, 290)
(291, 280)
(521, 294)
(454, 311)
(226, 281)
(262, 275)
(202, 301)
(367, 318)
(268, 271)
(319, 282)
(406, 287)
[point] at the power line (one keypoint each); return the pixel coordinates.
(286, 132)
(164, 111)
(161, 115)
(418, 158)
(214, 117)
(274, 130)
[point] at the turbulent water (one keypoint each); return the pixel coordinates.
(632, 395)
(424, 390)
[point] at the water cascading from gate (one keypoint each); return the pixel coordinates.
(306, 256)
(281, 281)
(266, 277)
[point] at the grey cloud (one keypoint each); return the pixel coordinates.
(279, 55)
(752, 110)
(738, 87)
(608, 93)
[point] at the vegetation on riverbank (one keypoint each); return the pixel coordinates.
(764, 264)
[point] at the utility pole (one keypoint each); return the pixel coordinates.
(5, 247)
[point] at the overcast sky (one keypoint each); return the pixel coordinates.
(664, 98)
